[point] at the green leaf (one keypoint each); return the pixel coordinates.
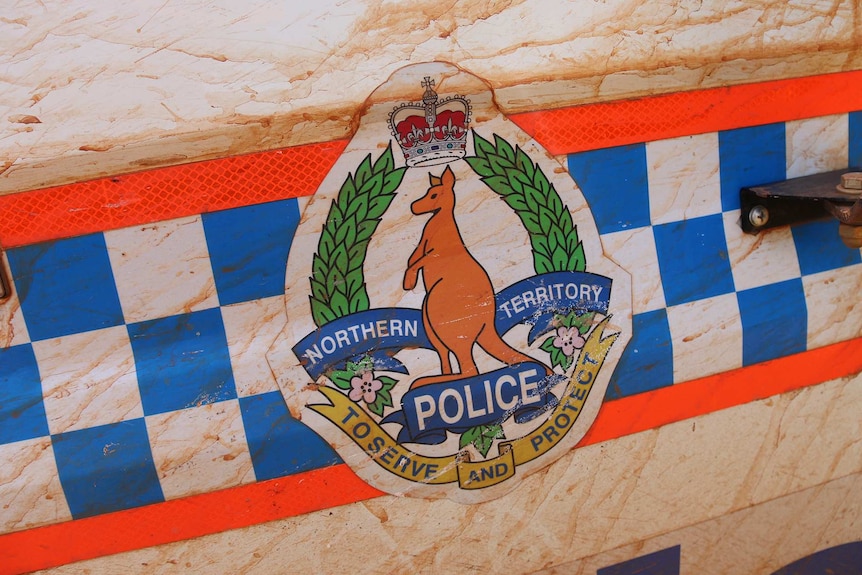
(339, 259)
(554, 202)
(540, 244)
(499, 164)
(560, 259)
(325, 244)
(548, 345)
(341, 378)
(346, 194)
(392, 180)
(372, 187)
(546, 219)
(533, 196)
(318, 290)
(517, 203)
(360, 301)
(480, 166)
(357, 252)
(365, 230)
(541, 182)
(363, 172)
(482, 146)
(530, 221)
(358, 208)
(378, 206)
(320, 312)
(583, 322)
(504, 148)
(384, 163)
(500, 185)
(556, 238)
(345, 233)
(482, 437)
(578, 261)
(542, 263)
(339, 304)
(524, 163)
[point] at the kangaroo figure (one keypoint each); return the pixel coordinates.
(459, 307)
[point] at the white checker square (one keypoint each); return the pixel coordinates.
(162, 269)
(30, 489)
(834, 305)
(707, 337)
(760, 259)
(14, 330)
(200, 449)
(817, 145)
(88, 379)
(684, 178)
(251, 328)
(635, 251)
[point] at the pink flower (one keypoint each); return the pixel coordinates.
(568, 339)
(364, 387)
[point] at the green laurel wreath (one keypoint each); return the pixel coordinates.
(510, 173)
(337, 278)
(521, 183)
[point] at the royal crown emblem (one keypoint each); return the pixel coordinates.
(432, 131)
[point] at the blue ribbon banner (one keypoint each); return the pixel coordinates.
(383, 332)
(429, 411)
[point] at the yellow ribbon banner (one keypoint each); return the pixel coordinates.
(384, 450)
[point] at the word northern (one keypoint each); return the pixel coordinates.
(543, 296)
(361, 332)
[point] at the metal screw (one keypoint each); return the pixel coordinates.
(758, 216)
(851, 183)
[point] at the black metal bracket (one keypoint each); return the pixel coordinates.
(799, 200)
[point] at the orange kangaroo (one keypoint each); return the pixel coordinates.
(459, 307)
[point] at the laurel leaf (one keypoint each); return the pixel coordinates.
(482, 146)
(480, 166)
(320, 312)
(522, 183)
(337, 279)
(504, 148)
(363, 172)
(499, 164)
(360, 301)
(384, 163)
(371, 188)
(524, 163)
(578, 261)
(560, 259)
(542, 263)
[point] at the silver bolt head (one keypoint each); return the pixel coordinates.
(758, 216)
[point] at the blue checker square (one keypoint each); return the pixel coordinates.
(664, 562)
(693, 259)
(248, 249)
(819, 247)
(647, 362)
(614, 182)
(278, 443)
(750, 157)
(855, 140)
(182, 361)
(22, 411)
(66, 286)
(774, 321)
(107, 468)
